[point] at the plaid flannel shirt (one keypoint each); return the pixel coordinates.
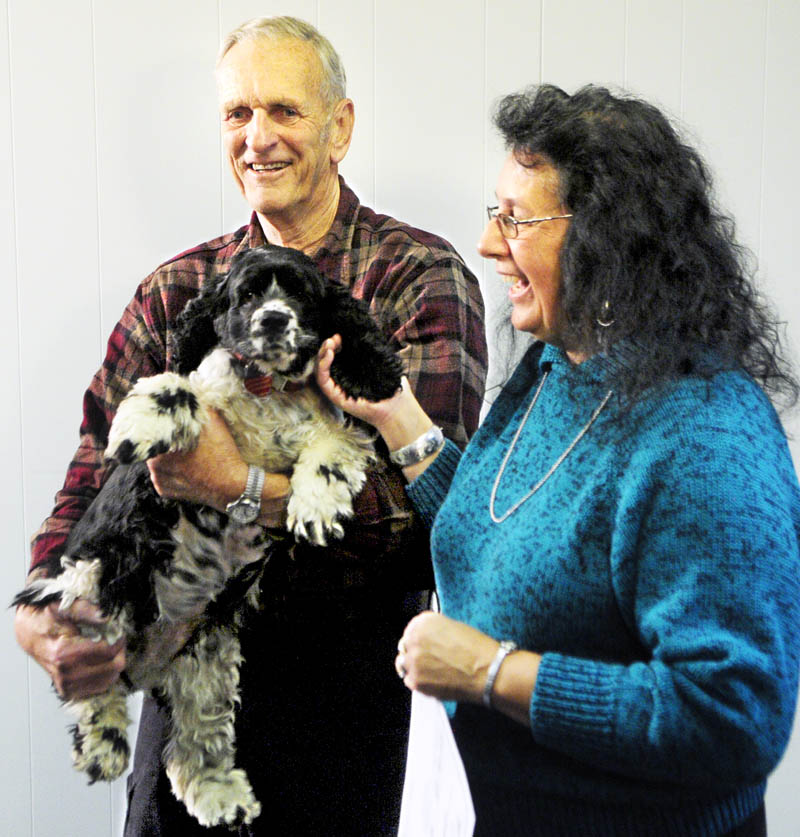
(420, 292)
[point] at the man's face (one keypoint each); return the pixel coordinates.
(276, 128)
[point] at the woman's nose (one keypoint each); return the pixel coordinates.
(492, 244)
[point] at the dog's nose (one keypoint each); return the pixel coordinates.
(272, 321)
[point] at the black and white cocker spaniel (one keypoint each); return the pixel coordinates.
(245, 346)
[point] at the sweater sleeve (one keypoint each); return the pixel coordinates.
(706, 573)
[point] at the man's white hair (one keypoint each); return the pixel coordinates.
(334, 82)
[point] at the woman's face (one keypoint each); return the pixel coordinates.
(530, 262)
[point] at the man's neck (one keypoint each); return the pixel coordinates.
(306, 232)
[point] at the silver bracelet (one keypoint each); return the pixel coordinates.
(506, 647)
(419, 449)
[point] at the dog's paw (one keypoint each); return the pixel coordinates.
(99, 739)
(159, 414)
(102, 754)
(216, 797)
(321, 500)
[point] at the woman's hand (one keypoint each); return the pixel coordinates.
(399, 419)
(450, 660)
(376, 413)
(78, 666)
(443, 658)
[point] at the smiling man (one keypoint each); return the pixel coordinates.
(323, 720)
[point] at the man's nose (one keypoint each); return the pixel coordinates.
(260, 131)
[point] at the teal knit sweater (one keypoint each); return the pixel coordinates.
(658, 572)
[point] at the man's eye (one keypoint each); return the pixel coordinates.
(288, 114)
(238, 115)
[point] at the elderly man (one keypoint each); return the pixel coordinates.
(323, 722)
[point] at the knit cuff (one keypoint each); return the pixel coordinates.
(428, 490)
(573, 704)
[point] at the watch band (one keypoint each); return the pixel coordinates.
(506, 647)
(246, 508)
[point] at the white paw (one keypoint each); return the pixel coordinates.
(100, 752)
(160, 413)
(221, 798)
(321, 499)
(99, 738)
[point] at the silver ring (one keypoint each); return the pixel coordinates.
(401, 672)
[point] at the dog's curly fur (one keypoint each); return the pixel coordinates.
(159, 569)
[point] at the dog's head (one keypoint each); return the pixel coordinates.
(274, 308)
(269, 310)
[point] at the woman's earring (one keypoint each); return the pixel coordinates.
(606, 318)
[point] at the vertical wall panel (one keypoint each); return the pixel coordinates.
(53, 124)
(157, 138)
(653, 65)
(56, 206)
(358, 55)
(780, 263)
(15, 770)
(723, 88)
(430, 119)
(583, 42)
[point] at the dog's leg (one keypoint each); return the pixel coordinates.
(327, 475)
(159, 414)
(99, 738)
(100, 743)
(202, 687)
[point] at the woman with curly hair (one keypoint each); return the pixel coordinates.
(617, 550)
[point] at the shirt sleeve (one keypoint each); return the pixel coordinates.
(706, 570)
(136, 348)
(438, 321)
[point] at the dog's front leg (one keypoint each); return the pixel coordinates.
(327, 475)
(161, 413)
(202, 687)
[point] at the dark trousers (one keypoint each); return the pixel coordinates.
(322, 728)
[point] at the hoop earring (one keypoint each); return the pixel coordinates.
(606, 319)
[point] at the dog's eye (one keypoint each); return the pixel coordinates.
(246, 294)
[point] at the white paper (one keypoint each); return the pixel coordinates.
(436, 798)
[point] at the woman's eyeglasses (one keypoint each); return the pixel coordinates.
(508, 225)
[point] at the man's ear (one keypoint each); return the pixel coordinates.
(341, 129)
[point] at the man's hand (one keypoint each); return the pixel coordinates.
(215, 474)
(79, 667)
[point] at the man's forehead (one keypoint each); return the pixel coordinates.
(269, 69)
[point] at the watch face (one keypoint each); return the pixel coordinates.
(243, 511)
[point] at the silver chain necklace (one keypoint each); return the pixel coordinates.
(553, 468)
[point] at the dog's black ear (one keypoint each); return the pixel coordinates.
(194, 335)
(366, 365)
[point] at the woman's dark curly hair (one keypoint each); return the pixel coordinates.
(646, 247)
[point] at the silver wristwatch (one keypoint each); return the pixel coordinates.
(246, 509)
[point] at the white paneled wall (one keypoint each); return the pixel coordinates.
(110, 163)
